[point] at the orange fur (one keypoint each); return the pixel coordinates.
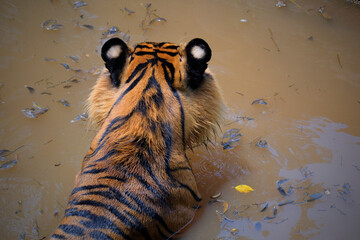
(142, 137)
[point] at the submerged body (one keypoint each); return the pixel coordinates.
(151, 103)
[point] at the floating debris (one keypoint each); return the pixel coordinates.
(259, 101)
(246, 118)
(35, 111)
(273, 216)
(261, 143)
(281, 189)
(91, 27)
(216, 196)
(311, 38)
(31, 90)
(51, 24)
(273, 40)
(285, 202)
(111, 31)
(74, 58)
(5, 152)
(231, 138)
(82, 116)
(244, 188)
(46, 93)
(324, 13)
(57, 164)
(338, 58)
(129, 12)
(78, 4)
(280, 3)
(243, 20)
(8, 163)
(314, 196)
(50, 59)
(158, 19)
(265, 207)
(225, 205)
(64, 102)
(66, 66)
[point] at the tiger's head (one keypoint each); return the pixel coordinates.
(158, 82)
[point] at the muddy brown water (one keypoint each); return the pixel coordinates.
(303, 65)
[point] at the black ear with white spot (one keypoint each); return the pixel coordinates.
(114, 52)
(198, 54)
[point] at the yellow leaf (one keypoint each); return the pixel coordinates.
(244, 188)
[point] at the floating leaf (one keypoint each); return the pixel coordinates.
(64, 102)
(265, 207)
(158, 19)
(51, 24)
(285, 202)
(82, 116)
(31, 90)
(78, 4)
(128, 11)
(261, 143)
(87, 26)
(50, 59)
(225, 205)
(273, 216)
(280, 3)
(230, 138)
(244, 188)
(66, 66)
(314, 196)
(34, 112)
(5, 152)
(281, 189)
(111, 31)
(216, 196)
(74, 58)
(259, 101)
(9, 163)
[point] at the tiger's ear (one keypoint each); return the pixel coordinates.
(198, 54)
(114, 52)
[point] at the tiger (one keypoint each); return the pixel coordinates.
(150, 103)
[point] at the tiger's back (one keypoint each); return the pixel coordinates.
(150, 103)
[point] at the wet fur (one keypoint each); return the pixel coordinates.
(136, 181)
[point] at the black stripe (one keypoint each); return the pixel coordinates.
(89, 166)
(113, 194)
(113, 178)
(110, 128)
(121, 217)
(138, 68)
(181, 168)
(98, 235)
(145, 164)
(171, 47)
(96, 221)
(109, 154)
(72, 230)
(142, 46)
(132, 85)
(95, 171)
(88, 187)
(148, 211)
(58, 236)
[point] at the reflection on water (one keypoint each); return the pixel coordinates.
(298, 61)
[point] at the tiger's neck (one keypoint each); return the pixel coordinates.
(146, 121)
